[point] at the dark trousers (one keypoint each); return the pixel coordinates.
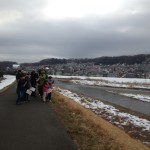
(40, 90)
(20, 96)
(49, 96)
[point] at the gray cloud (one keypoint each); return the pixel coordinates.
(29, 38)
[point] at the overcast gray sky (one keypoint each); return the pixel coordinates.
(37, 29)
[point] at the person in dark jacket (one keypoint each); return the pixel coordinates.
(33, 78)
(21, 89)
(18, 75)
(27, 85)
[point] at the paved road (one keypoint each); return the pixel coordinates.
(31, 126)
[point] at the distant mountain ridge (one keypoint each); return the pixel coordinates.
(4, 64)
(136, 59)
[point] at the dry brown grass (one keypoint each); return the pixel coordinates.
(89, 131)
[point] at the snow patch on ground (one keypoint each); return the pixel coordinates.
(8, 79)
(137, 96)
(132, 124)
(108, 81)
(99, 107)
(140, 97)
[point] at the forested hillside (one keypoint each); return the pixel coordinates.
(138, 59)
(4, 64)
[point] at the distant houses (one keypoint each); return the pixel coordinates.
(15, 66)
(90, 69)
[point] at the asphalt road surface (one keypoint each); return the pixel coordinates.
(30, 126)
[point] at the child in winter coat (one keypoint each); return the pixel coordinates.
(45, 90)
(42, 77)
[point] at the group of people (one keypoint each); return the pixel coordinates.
(34, 84)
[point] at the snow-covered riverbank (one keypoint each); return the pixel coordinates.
(111, 82)
(134, 124)
(7, 80)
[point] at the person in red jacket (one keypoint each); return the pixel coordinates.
(45, 90)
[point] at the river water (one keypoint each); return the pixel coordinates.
(106, 96)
